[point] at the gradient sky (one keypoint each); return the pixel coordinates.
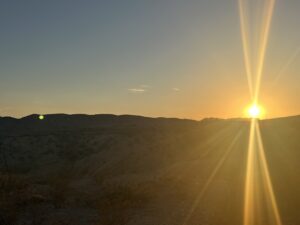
(155, 58)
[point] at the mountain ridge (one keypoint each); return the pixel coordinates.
(34, 116)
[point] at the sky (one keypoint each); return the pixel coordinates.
(166, 58)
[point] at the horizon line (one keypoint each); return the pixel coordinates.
(152, 117)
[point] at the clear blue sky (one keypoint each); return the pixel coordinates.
(154, 58)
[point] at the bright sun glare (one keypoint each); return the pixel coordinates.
(254, 111)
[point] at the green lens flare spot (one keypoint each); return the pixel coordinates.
(41, 117)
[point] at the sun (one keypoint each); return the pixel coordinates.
(255, 111)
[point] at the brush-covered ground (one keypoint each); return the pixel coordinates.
(130, 170)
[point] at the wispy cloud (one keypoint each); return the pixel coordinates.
(175, 89)
(137, 90)
(142, 88)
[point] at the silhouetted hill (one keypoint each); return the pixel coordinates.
(56, 122)
(112, 170)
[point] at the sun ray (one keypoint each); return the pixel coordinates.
(285, 67)
(259, 192)
(254, 70)
(263, 45)
(245, 41)
(269, 185)
(211, 178)
(258, 183)
(248, 201)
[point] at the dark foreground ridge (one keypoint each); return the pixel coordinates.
(119, 170)
(81, 121)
